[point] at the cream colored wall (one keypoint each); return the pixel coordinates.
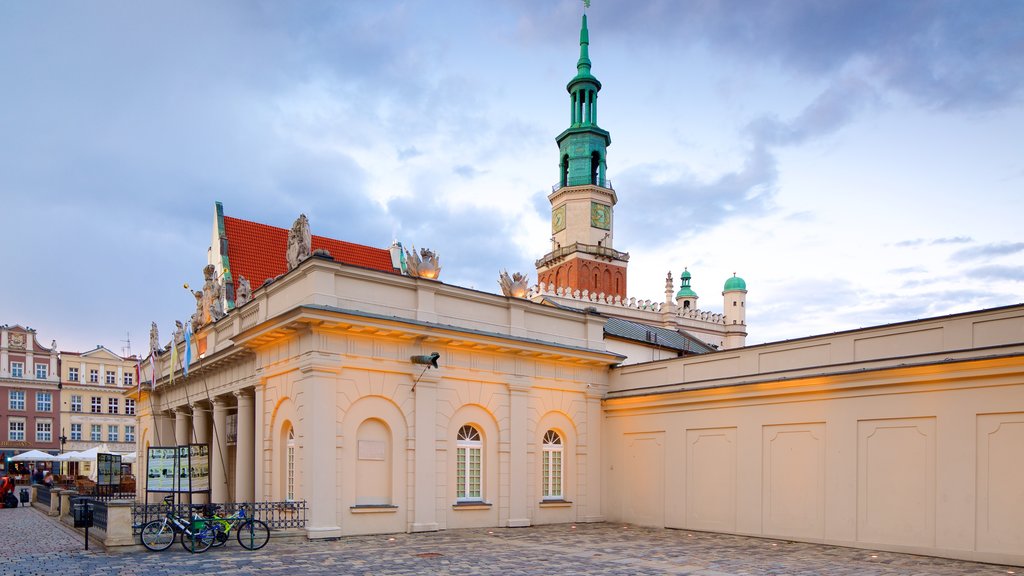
(511, 399)
(924, 460)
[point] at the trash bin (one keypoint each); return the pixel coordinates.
(24, 495)
(81, 513)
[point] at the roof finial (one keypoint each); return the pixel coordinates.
(586, 4)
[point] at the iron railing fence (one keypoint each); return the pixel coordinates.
(603, 183)
(277, 515)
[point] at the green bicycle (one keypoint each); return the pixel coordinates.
(252, 534)
(196, 533)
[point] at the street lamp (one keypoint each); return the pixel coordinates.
(63, 439)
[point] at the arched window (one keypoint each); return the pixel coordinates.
(468, 465)
(551, 466)
(289, 482)
(595, 164)
(565, 170)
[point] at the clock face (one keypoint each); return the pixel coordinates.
(600, 216)
(558, 219)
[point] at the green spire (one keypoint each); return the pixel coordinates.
(582, 148)
(583, 65)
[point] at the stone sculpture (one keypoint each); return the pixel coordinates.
(154, 338)
(198, 316)
(300, 242)
(179, 332)
(244, 293)
(515, 285)
(425, 264)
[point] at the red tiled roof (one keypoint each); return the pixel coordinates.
(258, 251)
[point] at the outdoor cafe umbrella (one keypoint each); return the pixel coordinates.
(33, 456)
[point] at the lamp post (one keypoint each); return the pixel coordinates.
(63, 439)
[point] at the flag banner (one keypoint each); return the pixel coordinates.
(188, 349)
(174, 360)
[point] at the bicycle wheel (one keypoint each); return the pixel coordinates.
(157, 535)
(199, 539)
(221, 537)
(253, 535)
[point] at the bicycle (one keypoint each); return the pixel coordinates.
(197, 535)
(252, 534)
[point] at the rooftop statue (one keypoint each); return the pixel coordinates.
(426, 264)
(244, 293)
(211, 293)
(197, 316)
(515, 286)
(179, 332)
(300, 242)
(154, 338)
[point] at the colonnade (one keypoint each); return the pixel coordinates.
(206, 422)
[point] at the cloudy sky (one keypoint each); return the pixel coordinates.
(858, 162)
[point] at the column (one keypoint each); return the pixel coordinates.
(261, 449)
(593, 108)
(182, 426)
(245, 447)
(219, 451)
(425, 429)
(518, 507)
(200, 435)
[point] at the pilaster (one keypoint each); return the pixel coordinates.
(518, 507)
(425, 471)
(319, 447)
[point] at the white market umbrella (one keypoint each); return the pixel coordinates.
(67, 456)
(84, 456)
(33, 456)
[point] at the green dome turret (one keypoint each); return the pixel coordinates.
(734, 283)
(684, 290)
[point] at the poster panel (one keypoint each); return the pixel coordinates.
(199, 467)
(183, 475)
(161, 468)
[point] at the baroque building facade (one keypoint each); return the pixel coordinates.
(94, 410)
(311, 379)
(29, 392)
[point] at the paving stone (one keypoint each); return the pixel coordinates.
(33, 543)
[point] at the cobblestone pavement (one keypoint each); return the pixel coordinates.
(35, 544)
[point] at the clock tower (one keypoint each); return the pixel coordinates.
(582, 256)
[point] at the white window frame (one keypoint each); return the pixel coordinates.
(94, 376)
(16, 400)
(289, 491)
(128, 379)
(44, 430)
(113, 406)
(72, 374)
(42, 371)
(96, 405)
(129, 433)
(76, 431)
(552, 466)
(469, 446)
(129, 406)
(76, 402)
(95, 433)
(113, 433)
(111, 378)
(17, 370)
(15, 429)
(44, 402)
